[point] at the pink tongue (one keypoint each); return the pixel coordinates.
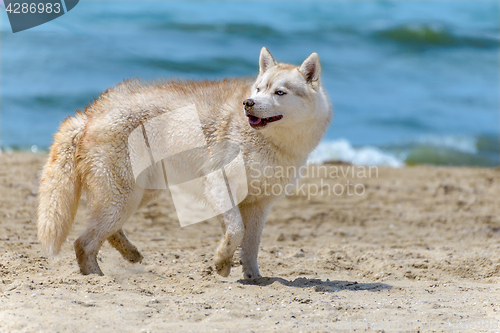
(254, 120)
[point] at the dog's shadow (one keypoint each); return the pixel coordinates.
(319, 285)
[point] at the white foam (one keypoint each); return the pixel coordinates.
(342, 150)
(461, 143)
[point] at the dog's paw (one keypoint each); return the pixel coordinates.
(251, 273)
(134, 257)
(223, 268)
(250, 269)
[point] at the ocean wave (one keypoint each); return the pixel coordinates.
(247, 29)
(410, 34)
(482, 150)
(418, 34)
(342, 150)
(464, 144)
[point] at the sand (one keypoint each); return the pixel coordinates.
(409, 249)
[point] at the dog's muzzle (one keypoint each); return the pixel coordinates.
(254, 121)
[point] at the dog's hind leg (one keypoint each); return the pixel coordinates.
(105, 220)
(234, 230)
(121, 243)
(128, 250)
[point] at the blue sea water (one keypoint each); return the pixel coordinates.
(410, 81)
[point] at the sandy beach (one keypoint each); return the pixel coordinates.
(413, 249)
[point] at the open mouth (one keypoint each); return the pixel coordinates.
(257, 122)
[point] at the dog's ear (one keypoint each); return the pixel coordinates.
(311, 68)
(266, 60)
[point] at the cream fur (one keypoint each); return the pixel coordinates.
(90, 152)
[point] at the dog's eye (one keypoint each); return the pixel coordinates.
(258, 89)
(280, 93)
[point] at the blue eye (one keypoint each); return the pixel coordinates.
(280, 93)
(258, 89)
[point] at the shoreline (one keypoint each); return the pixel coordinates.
(35, 150)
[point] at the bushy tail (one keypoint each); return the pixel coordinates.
(60, 186)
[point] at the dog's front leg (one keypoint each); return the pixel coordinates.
(254, 217)
(232, 223)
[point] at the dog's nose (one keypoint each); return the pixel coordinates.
(248, 102)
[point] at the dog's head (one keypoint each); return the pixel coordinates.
(285, 95)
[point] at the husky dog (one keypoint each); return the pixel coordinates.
(276, 121)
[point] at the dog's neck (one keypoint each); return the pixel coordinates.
(297, 142)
